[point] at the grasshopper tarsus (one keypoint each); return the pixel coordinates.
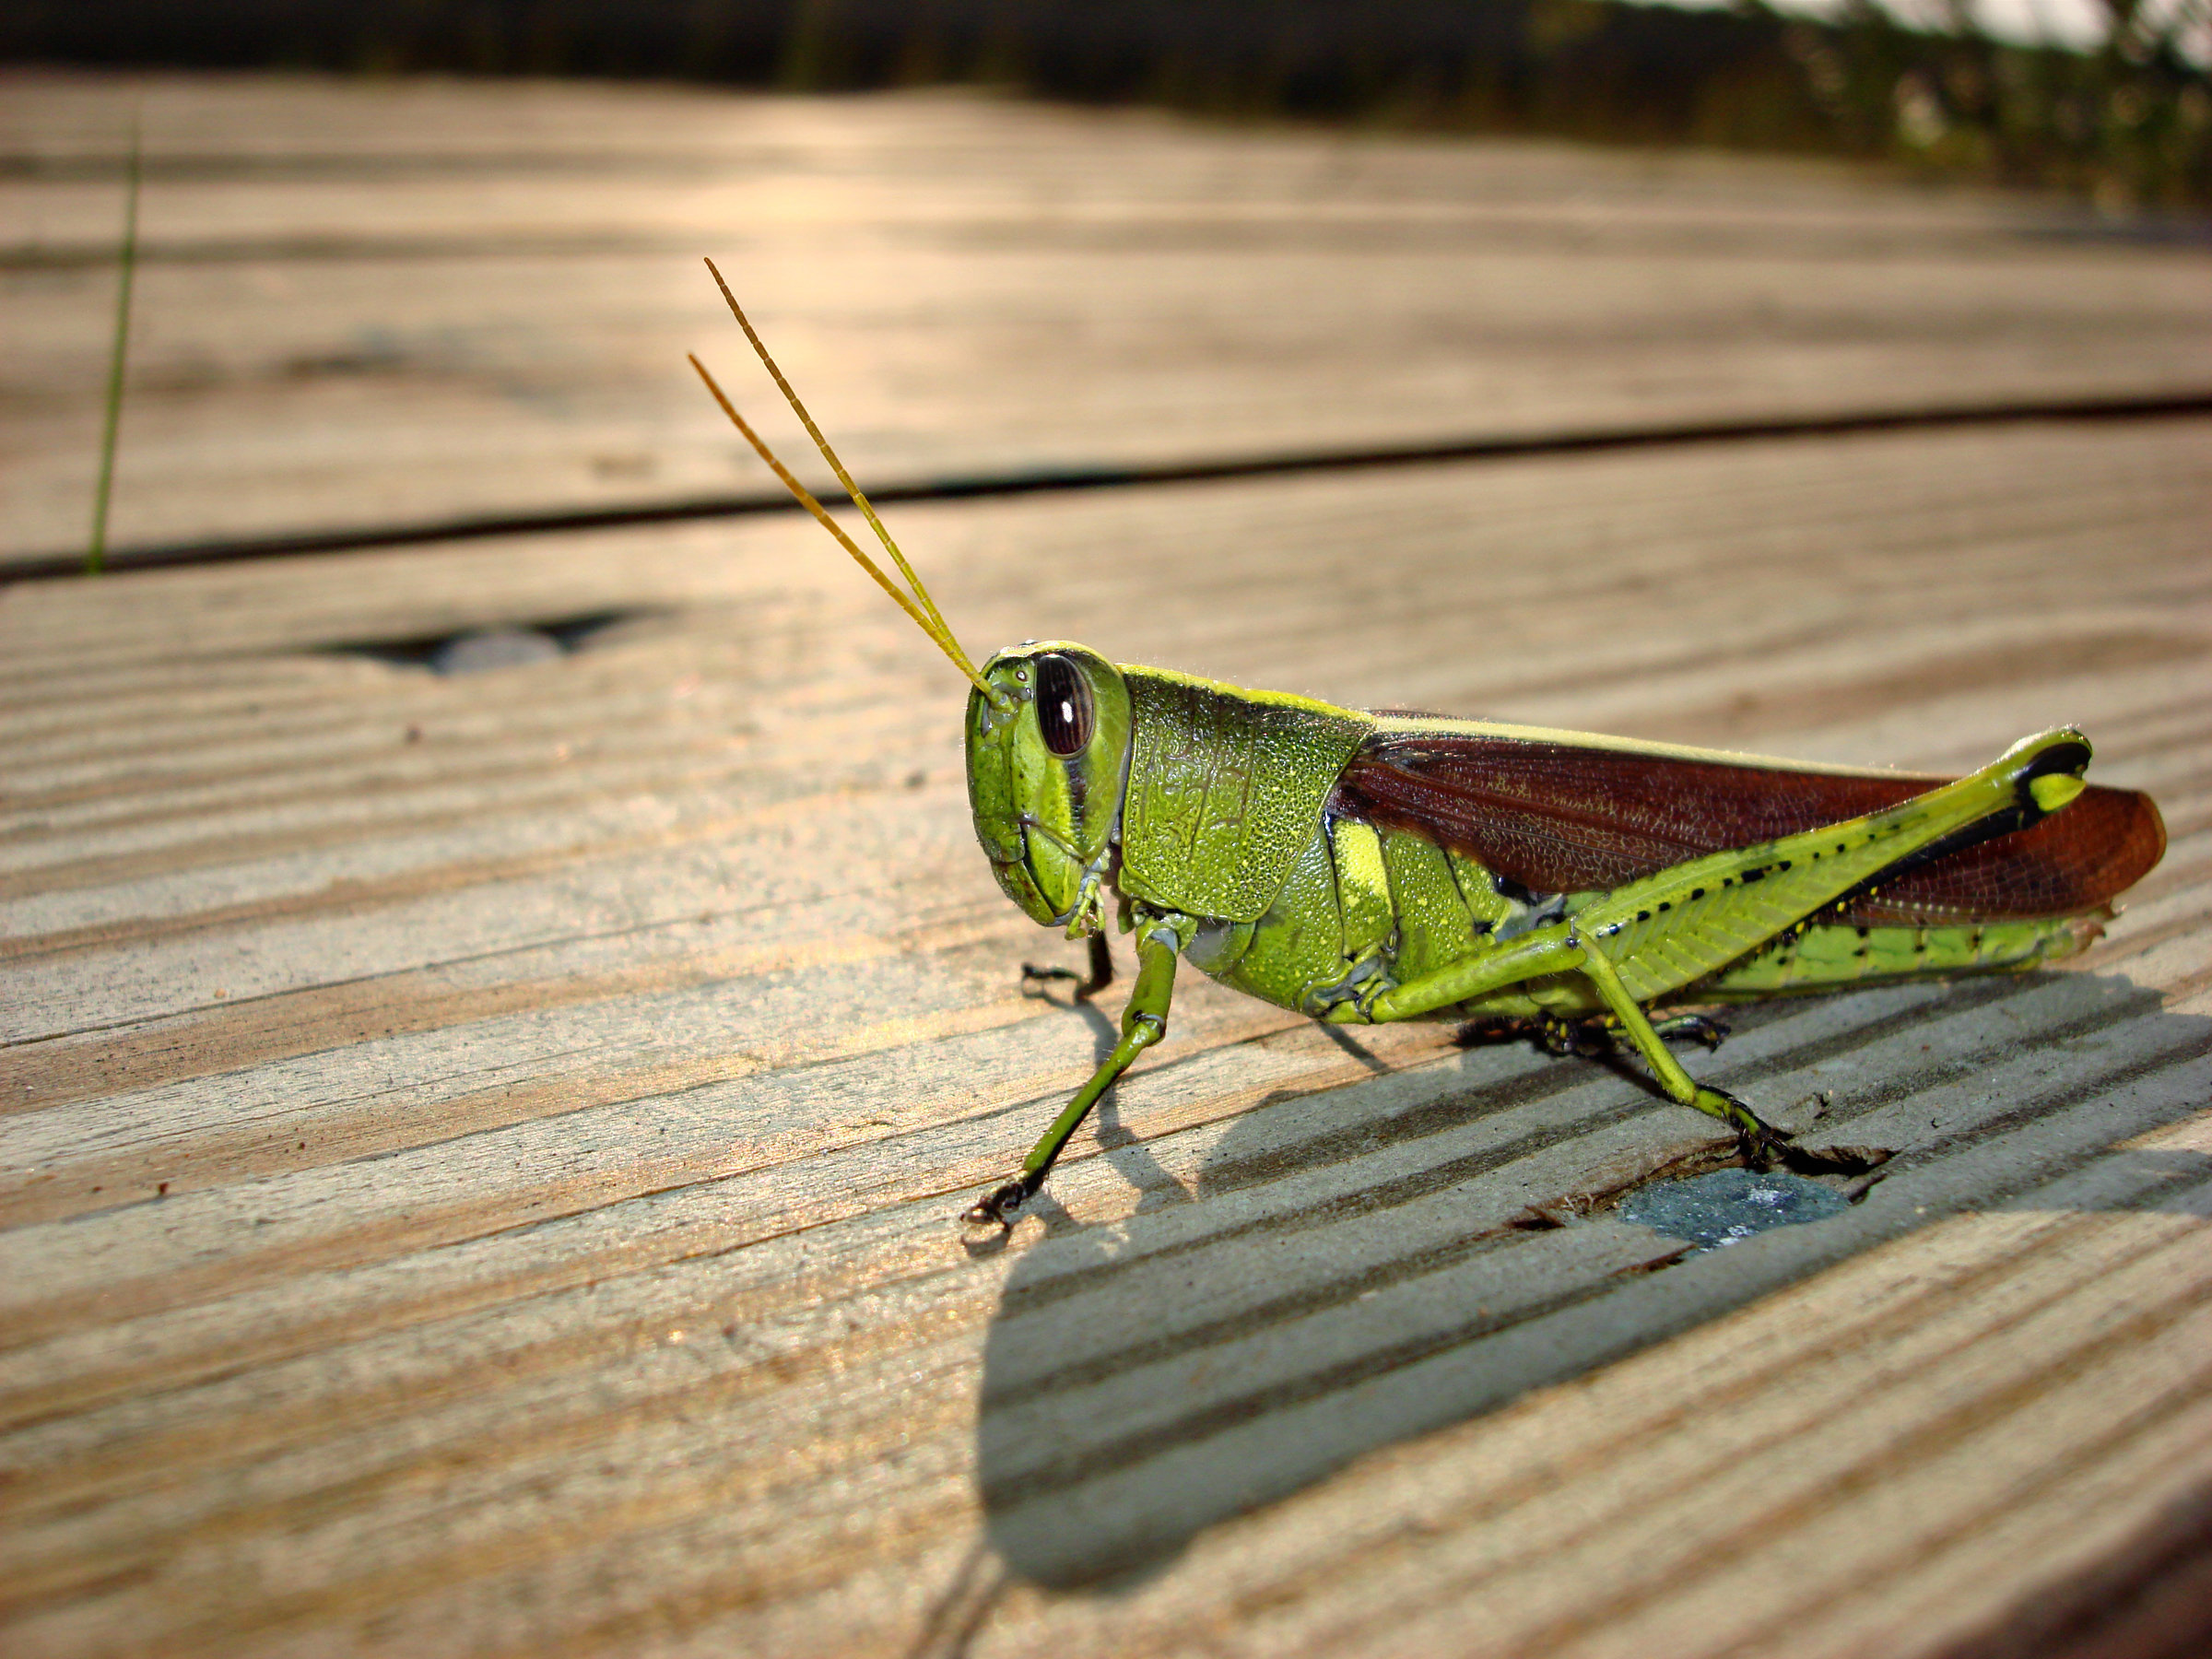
(997, 1210)
(1765, 1147)
(1693, 1028)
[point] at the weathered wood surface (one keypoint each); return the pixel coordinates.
(490, 289)
(479, 1154)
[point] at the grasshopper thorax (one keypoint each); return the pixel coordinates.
(1046, 771)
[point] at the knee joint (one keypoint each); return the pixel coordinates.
(1144, 1029)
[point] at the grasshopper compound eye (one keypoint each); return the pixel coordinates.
(1064, 709)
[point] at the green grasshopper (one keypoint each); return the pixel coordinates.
(1367, 867)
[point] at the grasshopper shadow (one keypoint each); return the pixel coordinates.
(1346, 1280)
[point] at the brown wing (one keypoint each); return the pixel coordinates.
(1560, 818)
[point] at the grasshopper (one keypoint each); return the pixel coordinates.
(1362, 868)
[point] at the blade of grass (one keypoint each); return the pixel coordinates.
(96, 554)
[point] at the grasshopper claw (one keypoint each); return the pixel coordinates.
(1764, 1146)
(995, 1210)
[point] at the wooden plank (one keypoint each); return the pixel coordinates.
(492, 1189)
(368, 302)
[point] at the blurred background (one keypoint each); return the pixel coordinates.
(407, 269)
(2102, 95)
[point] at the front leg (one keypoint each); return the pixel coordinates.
(1144, 1023)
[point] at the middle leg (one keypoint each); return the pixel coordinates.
(1593, 1036)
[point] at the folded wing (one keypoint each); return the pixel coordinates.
(1558, 816)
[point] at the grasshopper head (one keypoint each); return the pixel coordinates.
(1048, 724)
(1045, 773)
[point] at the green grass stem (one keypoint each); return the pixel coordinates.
(96, 554)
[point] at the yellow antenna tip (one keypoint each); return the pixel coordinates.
(931, 624)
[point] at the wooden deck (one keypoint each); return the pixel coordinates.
(480, 1153)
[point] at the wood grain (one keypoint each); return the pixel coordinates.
(485, 292)
(478, 1155)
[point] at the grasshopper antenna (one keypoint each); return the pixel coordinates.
(925, 614)
(829, 455)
